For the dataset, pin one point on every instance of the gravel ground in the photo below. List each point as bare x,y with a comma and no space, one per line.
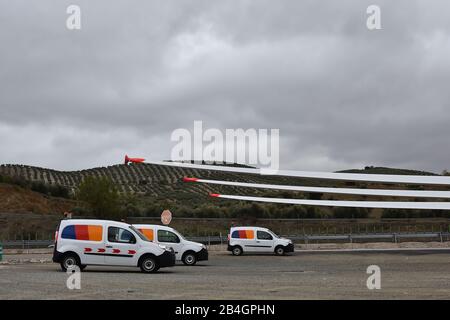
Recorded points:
404,275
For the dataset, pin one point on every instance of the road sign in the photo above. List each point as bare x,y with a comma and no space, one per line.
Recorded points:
166,217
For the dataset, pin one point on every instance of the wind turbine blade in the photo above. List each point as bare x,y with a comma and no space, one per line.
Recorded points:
354,191
384,178
352,204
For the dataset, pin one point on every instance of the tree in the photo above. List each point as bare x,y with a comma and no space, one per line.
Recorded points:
101,196
129,205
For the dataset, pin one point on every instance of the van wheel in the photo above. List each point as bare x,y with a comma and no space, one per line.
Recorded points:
70,260
279,251
189,259
148,265
237,251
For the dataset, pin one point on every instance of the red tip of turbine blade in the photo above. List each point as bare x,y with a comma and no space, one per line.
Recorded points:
214,195
187,179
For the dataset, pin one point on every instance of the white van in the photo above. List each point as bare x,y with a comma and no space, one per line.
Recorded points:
256,239
101,242
187,251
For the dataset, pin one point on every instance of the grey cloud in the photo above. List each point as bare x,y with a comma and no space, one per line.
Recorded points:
342,96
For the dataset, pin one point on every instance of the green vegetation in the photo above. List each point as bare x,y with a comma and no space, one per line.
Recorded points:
54,191
350,213
234,210
101,196
399,213
145,190
37,186
384,170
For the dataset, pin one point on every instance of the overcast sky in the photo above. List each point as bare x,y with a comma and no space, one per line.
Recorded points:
342,96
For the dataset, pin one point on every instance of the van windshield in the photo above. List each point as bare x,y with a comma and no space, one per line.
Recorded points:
140,234
179,235
273,234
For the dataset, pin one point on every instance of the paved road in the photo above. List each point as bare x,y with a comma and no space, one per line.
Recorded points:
404,275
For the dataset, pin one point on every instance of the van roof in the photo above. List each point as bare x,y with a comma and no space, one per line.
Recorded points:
152,226
92,221
248,227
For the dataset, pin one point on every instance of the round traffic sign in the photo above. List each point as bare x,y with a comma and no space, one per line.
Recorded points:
166,217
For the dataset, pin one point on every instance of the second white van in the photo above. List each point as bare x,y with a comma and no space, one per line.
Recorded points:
188,252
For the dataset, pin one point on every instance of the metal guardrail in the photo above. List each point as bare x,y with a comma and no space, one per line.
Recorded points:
26,244
345,220
393,237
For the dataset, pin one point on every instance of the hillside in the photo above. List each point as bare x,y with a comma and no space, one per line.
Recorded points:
152,188
155,180
384,170
16,199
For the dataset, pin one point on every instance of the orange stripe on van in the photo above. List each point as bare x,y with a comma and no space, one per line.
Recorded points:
95,233
250,234
148,233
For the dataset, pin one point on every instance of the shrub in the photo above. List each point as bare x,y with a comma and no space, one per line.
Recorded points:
350,213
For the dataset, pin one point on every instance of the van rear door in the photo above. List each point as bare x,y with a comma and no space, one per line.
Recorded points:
88,239
245,238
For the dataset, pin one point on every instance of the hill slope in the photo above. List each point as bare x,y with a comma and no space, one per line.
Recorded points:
157,186
16,199
155,180
149,189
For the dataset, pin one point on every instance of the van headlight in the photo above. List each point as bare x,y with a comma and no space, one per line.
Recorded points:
204,246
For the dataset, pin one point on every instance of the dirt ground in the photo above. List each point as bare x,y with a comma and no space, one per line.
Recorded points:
407,274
